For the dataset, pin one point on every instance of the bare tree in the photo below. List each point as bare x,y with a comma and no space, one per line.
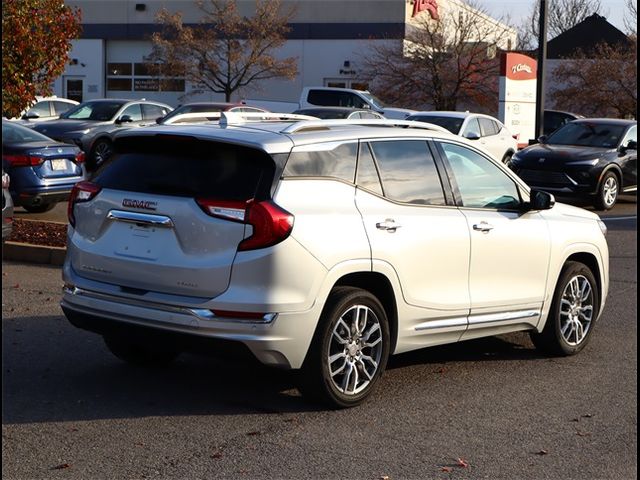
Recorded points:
561,16
226,51
631,19
603,84
440,63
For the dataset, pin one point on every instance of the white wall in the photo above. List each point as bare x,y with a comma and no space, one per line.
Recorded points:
90,66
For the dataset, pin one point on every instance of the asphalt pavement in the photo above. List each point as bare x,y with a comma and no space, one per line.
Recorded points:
491,408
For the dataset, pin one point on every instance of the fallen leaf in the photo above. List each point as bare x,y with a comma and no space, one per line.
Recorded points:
17,285
72,429
216,455
582,434
62,467
462,463
587,415
447,469
542,452
384,477
254,433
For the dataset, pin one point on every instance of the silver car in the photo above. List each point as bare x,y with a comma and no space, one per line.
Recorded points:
7,208
324,246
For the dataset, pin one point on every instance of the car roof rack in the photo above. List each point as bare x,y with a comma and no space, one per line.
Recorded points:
240,118
314,125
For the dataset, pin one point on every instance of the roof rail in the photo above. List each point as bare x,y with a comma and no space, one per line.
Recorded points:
327,124
239,118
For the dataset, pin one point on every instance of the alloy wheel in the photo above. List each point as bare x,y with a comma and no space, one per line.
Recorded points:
576,310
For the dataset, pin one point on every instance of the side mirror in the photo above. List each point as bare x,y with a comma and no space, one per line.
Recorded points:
124,119
30,116
631,145
542,139
472,136
159,120
539,200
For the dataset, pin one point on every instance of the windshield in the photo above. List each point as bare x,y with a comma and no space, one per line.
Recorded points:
587,134
98,111
13,133
379,104
452,124
198,108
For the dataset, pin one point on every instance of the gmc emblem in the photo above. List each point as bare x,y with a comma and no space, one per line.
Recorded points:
143,204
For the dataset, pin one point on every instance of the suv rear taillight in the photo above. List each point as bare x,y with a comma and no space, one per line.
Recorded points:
23,160
81,192
271,224
80,157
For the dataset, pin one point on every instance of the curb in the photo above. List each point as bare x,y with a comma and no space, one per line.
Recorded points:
25,252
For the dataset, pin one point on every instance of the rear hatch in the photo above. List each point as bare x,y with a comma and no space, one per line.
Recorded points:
167,215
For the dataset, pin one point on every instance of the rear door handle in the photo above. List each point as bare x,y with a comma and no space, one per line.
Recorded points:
483,227
389,225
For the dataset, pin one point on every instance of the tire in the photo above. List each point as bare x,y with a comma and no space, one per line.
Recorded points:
134,353
100,153
571,319
507,158
359,345
607,195
43,207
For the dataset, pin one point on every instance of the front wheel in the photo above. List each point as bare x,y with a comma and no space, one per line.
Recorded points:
573,312
608,192
100,153
349,350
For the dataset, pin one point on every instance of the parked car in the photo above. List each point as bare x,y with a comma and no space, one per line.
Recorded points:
323,249
593,158
554,119
327,113
90,124
45,109
42,171
7,208
350,98
489,132
198,112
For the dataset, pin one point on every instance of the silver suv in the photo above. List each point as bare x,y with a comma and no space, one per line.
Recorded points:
323,246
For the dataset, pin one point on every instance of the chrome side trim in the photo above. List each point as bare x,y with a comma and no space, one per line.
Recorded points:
502,317
199,313
446,323
140,218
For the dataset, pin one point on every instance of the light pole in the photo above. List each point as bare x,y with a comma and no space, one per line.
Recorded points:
542,56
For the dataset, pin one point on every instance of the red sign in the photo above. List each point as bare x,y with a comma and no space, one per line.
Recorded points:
430,5
516,66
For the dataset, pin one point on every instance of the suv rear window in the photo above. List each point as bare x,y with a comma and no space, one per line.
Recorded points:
188,167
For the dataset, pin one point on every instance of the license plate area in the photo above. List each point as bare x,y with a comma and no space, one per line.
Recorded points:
140,241
58,164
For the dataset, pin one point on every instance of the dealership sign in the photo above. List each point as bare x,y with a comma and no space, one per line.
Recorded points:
518,95
430,5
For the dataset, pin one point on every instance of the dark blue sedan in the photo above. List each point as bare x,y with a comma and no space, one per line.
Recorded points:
42,171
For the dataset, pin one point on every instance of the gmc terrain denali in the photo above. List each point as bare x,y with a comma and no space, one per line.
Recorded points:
323,246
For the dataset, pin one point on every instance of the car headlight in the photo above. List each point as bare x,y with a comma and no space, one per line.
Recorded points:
603,227
79,133
591,163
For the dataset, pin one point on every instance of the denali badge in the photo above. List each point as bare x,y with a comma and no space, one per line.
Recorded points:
144,204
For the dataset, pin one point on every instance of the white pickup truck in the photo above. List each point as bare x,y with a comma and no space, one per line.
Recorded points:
335,97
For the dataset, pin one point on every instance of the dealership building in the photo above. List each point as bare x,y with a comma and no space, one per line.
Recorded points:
329,38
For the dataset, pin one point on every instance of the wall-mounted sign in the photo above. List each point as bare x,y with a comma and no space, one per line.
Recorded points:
430,5
518,95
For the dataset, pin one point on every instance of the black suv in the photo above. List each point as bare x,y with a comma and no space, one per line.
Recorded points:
594,158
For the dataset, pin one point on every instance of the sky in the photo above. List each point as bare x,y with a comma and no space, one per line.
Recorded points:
518,10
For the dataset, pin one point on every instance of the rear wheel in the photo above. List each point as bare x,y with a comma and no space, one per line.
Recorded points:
100,153
136,353
573,312
41,208
608,192
349,350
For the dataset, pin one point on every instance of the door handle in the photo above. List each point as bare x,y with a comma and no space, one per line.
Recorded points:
483,227
389,225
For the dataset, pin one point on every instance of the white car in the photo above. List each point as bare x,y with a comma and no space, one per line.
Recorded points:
46,108
324,246
489,132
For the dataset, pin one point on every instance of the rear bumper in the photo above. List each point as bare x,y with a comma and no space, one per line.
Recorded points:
282,342
42,195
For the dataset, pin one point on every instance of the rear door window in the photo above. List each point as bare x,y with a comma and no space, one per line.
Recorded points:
408,172
151,112
188,167
472,128
134,111
367,172
488,127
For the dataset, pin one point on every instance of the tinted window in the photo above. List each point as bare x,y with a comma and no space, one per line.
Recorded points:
134,111
588,134
481,183
100,111
632,135
452,124
472,128
61,107
151,112
328,98
488,126
12,133
185,166
367,172
408,172
325,160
